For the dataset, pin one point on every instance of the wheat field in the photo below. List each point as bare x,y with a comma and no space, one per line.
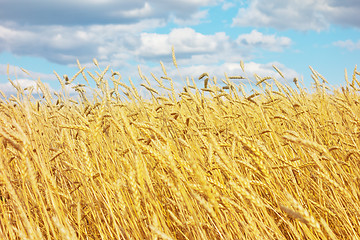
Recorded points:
214,161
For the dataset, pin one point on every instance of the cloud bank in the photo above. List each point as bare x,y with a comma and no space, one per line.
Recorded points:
300,15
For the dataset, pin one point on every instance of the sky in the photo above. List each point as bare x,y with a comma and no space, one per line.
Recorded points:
211,36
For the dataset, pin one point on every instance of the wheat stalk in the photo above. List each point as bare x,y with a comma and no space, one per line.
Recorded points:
218,162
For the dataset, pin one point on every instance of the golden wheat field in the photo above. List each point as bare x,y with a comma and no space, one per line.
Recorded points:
213,161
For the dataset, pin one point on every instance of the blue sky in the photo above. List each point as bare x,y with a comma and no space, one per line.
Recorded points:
208,36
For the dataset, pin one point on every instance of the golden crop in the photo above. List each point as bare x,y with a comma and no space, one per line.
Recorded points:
212,162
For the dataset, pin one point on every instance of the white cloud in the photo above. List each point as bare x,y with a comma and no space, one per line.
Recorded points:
194,19
348,44
119,45
268,42
142,12
227,5
71,13
62,44
196,48
299,14
184,40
